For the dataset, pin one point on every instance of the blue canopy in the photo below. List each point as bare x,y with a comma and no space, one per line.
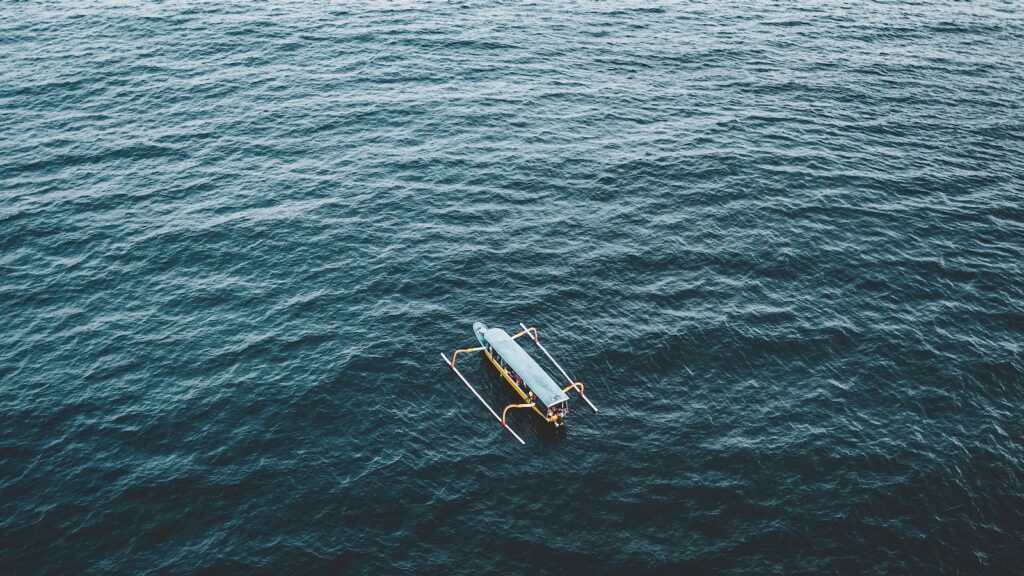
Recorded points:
512,353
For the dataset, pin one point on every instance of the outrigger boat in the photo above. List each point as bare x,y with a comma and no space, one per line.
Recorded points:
537,389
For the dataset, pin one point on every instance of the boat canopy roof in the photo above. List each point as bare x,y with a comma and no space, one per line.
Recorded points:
533,375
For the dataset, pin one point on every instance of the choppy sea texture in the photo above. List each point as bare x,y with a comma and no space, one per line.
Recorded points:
782,244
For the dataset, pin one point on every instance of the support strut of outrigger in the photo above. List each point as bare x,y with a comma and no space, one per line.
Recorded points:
504,412
451,364
536,340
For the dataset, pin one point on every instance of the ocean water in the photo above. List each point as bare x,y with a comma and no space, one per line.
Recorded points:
781,243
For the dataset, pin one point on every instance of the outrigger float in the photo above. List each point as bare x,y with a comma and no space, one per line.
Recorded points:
537,389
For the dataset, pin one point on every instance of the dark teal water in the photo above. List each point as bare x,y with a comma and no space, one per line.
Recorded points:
782,244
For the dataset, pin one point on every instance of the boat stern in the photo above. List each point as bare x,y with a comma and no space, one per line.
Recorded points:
556,414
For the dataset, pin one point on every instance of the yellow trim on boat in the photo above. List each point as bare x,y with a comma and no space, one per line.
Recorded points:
515,387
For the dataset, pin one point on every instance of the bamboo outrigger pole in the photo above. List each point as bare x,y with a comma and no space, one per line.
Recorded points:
451,364
572,384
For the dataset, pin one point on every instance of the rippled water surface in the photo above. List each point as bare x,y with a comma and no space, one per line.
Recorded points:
782,244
